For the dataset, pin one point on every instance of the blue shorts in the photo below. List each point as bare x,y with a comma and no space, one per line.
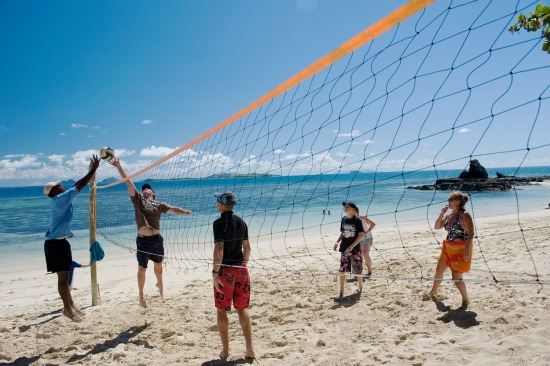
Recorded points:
149,247
58,255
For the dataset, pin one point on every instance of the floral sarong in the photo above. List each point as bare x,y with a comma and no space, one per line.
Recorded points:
453,252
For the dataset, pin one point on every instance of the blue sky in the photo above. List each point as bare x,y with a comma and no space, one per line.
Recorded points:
147,77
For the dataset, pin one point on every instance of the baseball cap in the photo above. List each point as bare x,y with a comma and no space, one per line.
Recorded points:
350,204
146,186
227,198
48,187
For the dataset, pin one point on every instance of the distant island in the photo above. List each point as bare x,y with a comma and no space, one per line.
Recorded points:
107,181
476,179
238,175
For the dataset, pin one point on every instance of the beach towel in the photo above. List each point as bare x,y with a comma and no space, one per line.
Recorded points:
97,252
453,252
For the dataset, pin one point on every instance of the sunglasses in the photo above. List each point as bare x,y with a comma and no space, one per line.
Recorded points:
452,199
222,199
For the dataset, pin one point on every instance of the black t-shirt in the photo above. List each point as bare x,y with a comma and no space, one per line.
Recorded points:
350,229
231,230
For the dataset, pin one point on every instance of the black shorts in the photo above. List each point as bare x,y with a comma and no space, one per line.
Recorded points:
149,247
58,255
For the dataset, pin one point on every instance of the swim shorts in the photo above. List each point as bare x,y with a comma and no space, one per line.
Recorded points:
351,263
58,255
236,288
149,247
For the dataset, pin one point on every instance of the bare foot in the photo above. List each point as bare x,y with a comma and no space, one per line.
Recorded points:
250,354
79,312
72,315
143,303
436,297
465,304
224,355
160,290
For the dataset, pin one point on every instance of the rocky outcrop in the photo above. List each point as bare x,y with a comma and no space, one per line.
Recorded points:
477,180
476,171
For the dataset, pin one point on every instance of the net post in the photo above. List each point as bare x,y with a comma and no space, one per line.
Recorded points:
93,269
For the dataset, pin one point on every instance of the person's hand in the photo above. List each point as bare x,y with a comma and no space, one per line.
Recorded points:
187,212
347,251
466,255
115,162
217,283
94,161
444,209
335,246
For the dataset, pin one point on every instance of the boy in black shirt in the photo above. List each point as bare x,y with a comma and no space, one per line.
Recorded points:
351,234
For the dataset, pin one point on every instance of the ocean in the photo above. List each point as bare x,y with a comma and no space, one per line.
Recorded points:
271,205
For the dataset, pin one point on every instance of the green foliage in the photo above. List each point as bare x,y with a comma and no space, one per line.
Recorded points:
538,19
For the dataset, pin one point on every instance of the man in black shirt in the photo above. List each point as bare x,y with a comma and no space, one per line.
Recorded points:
230,275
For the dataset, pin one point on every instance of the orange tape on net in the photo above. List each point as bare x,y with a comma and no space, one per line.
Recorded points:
375,30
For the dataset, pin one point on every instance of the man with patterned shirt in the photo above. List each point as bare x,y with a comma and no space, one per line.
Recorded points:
150,244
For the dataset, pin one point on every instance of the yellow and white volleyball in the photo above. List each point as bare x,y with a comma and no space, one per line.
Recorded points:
106,153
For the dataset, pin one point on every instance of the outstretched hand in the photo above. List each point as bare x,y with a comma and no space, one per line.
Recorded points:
94,161
115,162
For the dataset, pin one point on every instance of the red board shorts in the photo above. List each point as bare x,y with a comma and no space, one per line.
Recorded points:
236,288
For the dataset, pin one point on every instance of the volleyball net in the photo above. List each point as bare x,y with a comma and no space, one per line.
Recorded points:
412,99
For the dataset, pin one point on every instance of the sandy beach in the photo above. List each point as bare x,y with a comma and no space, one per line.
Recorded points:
295,318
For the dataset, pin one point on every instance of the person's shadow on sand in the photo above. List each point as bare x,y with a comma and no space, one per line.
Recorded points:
346,301
462,317
240,361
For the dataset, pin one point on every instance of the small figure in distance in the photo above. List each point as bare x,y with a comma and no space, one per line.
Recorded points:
456,251
56,247
351,234
150,244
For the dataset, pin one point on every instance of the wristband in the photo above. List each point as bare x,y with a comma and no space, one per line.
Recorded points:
214,272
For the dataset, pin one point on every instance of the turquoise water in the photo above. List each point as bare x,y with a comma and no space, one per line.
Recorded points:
270,205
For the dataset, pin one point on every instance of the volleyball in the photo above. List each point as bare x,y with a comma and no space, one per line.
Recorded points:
106,153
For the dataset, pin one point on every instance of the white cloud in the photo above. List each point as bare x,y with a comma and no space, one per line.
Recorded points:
11,156
155,151
147,122
58,159
278,151
62,134
78,125
354,133
96,127
367,141
25,162
464,130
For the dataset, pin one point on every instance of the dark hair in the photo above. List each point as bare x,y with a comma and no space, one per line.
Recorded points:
146,186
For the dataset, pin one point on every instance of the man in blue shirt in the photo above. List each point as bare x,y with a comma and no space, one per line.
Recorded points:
56,248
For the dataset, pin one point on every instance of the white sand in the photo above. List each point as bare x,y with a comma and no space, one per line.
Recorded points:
295,320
